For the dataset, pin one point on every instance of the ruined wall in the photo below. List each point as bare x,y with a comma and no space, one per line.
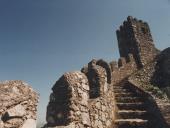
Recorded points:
82,100
101,107
134,37
18,105
107,68
156,73
97,77
102,111
69,101
85,99
123,69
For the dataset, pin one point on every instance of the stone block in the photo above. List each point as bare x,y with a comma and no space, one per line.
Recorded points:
16,111
29,123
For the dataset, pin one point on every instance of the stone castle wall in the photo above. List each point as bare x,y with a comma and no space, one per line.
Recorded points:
86,100
134,37
123,68
82,99
69,101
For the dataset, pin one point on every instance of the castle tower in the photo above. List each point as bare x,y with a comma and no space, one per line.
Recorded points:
134,37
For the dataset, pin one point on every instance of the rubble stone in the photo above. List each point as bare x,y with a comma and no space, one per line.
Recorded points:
18,103
17,110
29,123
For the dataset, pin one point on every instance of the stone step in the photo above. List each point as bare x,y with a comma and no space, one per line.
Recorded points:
132,114
123,94
129,99
119,87
131,106
121,90
131,123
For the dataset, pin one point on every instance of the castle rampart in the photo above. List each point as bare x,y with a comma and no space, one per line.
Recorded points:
94,97
124,68
107,67
134,37
83,99
69,101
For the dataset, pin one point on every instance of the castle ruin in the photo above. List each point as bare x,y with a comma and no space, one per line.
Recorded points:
133,92
117,94
134,37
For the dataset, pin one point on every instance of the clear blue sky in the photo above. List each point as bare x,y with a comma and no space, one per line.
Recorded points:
42,39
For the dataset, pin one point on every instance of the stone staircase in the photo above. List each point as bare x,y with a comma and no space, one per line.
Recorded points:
131,111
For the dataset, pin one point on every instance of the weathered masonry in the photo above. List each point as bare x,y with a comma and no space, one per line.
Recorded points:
130,93
18,105
134,37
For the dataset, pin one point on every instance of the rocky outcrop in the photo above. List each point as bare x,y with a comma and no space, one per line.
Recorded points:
18,105
161,76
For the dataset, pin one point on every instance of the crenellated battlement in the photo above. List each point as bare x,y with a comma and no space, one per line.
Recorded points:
123,68
77,96
134,37
122,62
113,65
131,19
